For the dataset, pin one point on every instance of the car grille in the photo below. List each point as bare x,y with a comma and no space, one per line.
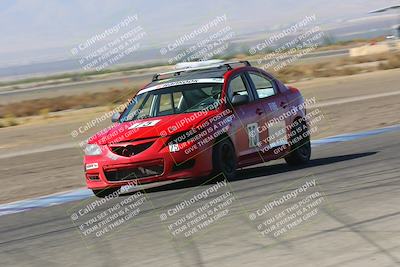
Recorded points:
130,150
131,173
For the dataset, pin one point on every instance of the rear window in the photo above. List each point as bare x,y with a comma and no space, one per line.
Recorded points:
263,86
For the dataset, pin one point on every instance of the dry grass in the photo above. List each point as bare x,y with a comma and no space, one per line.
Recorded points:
339,67
8,121
46,105
392,63
297,73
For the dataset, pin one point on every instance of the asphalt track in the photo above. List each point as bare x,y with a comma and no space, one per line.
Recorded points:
357,223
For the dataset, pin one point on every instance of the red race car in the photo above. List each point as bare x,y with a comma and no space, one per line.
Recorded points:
205,118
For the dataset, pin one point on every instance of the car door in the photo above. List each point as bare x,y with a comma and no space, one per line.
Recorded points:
246,122
276,109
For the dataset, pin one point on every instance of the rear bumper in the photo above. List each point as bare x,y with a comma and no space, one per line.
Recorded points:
154,164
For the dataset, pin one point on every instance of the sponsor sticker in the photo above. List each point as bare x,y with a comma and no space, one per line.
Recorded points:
92,166
171,84
273,106
254,136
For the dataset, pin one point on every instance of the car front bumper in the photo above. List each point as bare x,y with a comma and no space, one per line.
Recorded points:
154,164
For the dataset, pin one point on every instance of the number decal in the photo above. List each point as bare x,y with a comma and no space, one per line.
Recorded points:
277,134
144,124
254,135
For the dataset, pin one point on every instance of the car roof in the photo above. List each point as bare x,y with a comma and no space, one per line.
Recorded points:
190,75
204,72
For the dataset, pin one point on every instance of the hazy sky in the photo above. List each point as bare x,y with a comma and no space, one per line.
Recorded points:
42,24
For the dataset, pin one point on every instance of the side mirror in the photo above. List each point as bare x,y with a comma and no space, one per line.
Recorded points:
115,117
240,99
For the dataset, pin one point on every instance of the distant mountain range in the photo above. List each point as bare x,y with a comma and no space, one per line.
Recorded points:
37,35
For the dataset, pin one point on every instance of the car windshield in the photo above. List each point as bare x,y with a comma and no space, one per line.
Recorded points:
173,100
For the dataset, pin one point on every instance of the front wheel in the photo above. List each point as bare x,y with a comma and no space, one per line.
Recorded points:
102,193
224,159
300,151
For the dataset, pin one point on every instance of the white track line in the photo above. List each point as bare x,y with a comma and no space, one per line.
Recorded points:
353,99
83,193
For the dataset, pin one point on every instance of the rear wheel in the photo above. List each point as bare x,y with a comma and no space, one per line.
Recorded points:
224,159
300,152
102,193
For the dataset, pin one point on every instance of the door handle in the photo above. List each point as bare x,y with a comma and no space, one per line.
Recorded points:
284,104
259,111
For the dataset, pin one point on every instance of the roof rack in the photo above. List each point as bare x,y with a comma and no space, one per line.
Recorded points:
227,65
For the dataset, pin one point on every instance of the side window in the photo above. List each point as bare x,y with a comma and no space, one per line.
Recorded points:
179,102
165,107
146,111
264,87
237,87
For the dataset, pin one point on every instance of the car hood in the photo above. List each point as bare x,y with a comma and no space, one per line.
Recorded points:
150,128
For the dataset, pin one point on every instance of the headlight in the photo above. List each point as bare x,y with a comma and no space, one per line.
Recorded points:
92,150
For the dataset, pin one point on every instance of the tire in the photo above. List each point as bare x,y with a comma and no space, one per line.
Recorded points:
224,159
102,193
300,152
